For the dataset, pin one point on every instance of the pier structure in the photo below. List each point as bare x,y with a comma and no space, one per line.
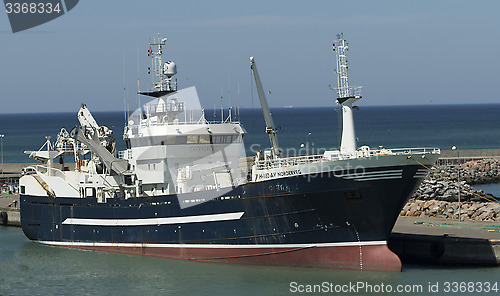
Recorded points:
9,211
435,241
452,157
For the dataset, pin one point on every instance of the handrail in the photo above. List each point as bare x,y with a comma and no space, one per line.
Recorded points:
166,123
306,159
351,91
288,161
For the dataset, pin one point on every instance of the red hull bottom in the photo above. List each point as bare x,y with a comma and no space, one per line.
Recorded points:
364,257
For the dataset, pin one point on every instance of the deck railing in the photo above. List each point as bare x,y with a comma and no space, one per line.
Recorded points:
287,161
336,156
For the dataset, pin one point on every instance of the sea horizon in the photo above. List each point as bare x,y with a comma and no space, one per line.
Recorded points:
259,108
466,126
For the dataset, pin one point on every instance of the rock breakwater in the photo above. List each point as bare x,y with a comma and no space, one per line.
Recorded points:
438,194
442,185
483,211
484,171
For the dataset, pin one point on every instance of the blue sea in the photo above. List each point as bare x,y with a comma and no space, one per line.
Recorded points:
442,126
28,268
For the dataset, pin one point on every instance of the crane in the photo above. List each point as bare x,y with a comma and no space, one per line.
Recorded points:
270,127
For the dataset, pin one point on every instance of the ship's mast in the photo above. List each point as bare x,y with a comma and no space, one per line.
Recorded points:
161,72
270,128
346,95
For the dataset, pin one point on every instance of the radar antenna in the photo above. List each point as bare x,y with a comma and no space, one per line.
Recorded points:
161,72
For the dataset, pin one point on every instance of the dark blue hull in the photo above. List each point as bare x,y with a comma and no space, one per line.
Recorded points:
294,211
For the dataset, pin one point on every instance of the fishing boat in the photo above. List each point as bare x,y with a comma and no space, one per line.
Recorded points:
183,187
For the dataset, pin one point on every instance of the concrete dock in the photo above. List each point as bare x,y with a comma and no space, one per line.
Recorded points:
446,242
10,206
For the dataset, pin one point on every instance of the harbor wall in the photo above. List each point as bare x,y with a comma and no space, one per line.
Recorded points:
9,211
449,157
434,241
445,250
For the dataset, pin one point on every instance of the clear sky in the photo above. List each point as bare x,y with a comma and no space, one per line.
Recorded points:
402,52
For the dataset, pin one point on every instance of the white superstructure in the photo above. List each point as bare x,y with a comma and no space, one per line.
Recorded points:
172,141
172,147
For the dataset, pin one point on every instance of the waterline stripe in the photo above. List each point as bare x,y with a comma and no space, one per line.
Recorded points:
378,178
420,174
211,246
360,174
154,221
375,176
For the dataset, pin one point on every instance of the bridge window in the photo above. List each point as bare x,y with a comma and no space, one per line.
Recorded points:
180,140
170,140
204,139
192,139
226,139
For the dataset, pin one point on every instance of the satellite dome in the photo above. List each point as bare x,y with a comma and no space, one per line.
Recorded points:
169,69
